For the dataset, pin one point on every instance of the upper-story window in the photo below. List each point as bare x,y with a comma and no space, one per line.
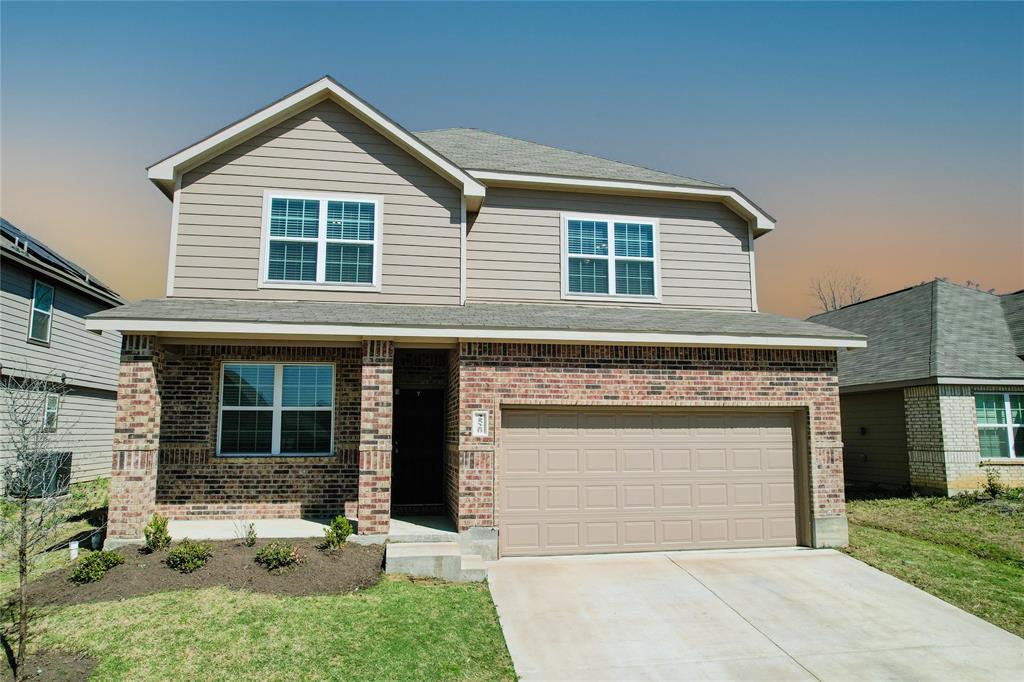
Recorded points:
1000,424
609,256
321,241
41,315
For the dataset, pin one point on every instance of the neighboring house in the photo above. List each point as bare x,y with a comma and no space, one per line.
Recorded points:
44,299
938,391
567,349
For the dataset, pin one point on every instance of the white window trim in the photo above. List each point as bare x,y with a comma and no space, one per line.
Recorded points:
320,284
275,441
611,258
32,311
1009,426
47,411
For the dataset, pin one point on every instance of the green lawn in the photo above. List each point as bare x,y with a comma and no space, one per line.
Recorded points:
400,629
971,555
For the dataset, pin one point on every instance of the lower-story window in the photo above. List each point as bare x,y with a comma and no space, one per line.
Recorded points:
276,409
1000,424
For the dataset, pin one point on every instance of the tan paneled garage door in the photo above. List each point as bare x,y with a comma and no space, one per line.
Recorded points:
587,481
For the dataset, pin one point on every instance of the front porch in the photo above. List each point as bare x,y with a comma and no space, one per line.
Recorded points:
187,441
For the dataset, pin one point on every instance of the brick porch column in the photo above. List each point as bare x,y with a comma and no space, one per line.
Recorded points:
375,415
136,439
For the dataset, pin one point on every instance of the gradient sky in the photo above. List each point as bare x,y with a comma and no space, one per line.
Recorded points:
886,139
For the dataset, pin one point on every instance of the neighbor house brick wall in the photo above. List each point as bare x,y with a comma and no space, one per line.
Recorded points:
193,482
133,475
375,428
925,453
964,467
493,375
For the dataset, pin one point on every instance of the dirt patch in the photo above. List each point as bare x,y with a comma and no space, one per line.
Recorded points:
232,565
55,666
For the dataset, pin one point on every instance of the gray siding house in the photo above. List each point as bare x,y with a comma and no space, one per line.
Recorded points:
936,399
44,299
558,352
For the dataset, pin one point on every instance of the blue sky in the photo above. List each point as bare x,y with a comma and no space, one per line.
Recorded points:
887,139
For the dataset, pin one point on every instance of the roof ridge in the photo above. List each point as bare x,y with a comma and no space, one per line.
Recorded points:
573,151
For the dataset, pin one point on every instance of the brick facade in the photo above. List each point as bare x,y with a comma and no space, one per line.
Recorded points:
375,422
133,473
942,439
169,463
493,375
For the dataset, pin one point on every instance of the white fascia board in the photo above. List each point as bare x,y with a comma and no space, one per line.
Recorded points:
164,172
466,334
761,222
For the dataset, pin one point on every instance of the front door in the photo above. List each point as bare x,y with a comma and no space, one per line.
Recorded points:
417,461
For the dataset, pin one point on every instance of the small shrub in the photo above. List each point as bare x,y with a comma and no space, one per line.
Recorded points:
994,486
156,533
336,534
189,556
246,533
94,565
277,556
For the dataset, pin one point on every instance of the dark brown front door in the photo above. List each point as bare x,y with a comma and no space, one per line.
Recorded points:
417,466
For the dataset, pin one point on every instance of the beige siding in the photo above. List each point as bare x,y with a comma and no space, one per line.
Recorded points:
875,438
514,247
85,427
86,358
321,149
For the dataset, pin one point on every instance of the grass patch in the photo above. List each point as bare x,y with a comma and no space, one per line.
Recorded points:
987,530
87,512
970,554
399,629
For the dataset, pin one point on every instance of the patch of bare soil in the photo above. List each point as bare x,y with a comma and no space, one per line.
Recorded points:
232,565
56,666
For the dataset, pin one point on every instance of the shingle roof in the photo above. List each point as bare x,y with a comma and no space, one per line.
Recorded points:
475,149
495,316
1013,310
934,330
14,240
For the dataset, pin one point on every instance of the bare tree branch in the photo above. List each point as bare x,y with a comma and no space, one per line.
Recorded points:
835,290
33,499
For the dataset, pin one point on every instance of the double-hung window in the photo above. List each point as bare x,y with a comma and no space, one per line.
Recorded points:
1000,424
609,256
328,241
41,315
51,410
276,409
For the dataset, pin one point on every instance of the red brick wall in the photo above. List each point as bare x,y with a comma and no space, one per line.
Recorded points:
192,482
493,375
376,409
133,474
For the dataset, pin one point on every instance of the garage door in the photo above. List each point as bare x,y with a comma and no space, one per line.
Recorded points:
576,482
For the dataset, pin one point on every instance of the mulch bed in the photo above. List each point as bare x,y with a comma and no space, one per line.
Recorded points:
55,666
232,565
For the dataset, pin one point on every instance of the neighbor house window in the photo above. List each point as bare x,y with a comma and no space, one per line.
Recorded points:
41,316
608,256
51,409
1000,424
321,241
276,409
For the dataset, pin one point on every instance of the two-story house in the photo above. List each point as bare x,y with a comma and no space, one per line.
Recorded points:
44,299
561,348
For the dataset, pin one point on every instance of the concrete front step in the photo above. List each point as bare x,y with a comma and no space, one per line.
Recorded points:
434,560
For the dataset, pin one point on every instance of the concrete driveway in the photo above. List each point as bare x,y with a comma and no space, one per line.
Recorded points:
743,615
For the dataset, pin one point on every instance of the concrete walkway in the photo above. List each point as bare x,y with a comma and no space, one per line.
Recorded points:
744,615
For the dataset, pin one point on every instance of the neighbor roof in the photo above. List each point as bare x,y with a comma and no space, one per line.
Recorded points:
32,252
476,149
933,331
494,321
